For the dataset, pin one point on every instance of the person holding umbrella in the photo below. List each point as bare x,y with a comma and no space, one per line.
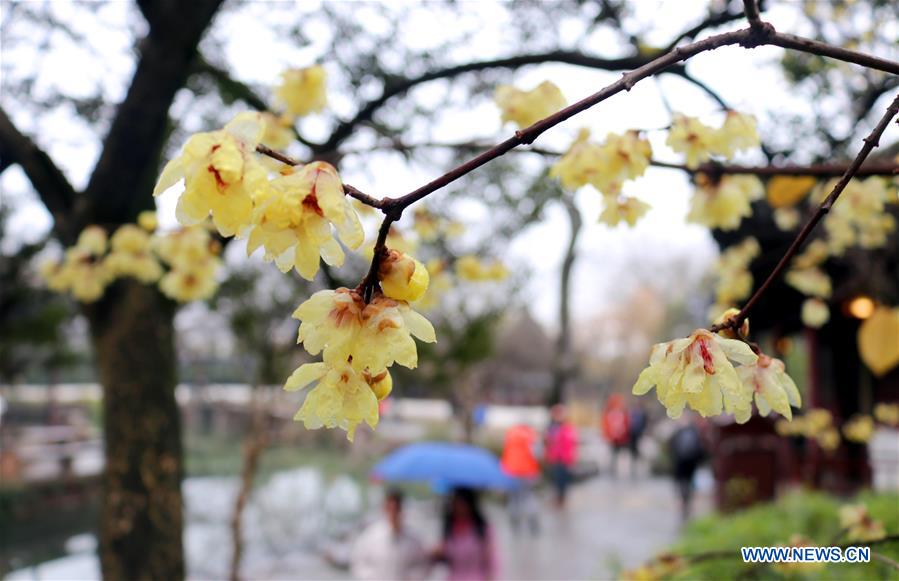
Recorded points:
386,549
467,548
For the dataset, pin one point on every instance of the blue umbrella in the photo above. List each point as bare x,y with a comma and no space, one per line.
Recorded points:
445,465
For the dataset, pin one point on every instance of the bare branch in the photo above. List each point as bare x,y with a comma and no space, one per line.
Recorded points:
871,142
51,184
752,13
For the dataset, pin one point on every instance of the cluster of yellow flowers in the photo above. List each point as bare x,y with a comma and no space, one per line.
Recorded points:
302,91
430,227
859,218
859,428
358,341
699,371
791,568
723,203
606,166
471,268
816,424
858,524
95,261
699,142
733,277
524,108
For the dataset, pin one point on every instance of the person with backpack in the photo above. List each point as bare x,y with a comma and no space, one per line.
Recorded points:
687,452
615,427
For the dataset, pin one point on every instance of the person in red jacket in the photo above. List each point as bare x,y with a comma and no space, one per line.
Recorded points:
616,427
519,460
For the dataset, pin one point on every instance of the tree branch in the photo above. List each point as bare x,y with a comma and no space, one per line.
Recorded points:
398,87
51,184
239,90
871,142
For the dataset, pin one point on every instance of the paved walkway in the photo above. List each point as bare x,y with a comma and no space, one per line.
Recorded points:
607,525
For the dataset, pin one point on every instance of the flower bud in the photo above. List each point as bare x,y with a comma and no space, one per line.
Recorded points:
381,384
402,277
729,331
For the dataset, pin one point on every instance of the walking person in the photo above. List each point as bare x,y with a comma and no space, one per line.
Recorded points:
687,452
467,548
615,428
637,421
561,452
519,460
386,549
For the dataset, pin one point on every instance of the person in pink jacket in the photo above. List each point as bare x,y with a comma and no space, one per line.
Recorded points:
561,452
468,549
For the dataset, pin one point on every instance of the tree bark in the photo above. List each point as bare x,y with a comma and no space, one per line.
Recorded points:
132,330
562,363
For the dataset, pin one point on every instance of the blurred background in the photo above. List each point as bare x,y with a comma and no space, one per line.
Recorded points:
181,407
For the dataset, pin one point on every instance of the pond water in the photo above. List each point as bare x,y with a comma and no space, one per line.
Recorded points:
295,522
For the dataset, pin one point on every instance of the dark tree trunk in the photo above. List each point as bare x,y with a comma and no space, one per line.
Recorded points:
563,366
141,518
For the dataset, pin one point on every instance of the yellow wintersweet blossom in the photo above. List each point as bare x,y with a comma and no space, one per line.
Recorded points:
605,166
690,136
859,428
793,567
887,413
734,279
828,439
815,253
402,277
786,191
524,108
697,372
725,203
812,282
278,133
859,525
440,282
131,255
341,399
192,257
83,272
773,388
469,267
147,220
661,567
818,420
373,336
619,209
859,217
878,340
194,284
221,173
738,132
303,91
786,218
293,218
815,313
429,227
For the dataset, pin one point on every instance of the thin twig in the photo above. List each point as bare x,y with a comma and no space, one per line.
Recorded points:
751,9
347,188
871,142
